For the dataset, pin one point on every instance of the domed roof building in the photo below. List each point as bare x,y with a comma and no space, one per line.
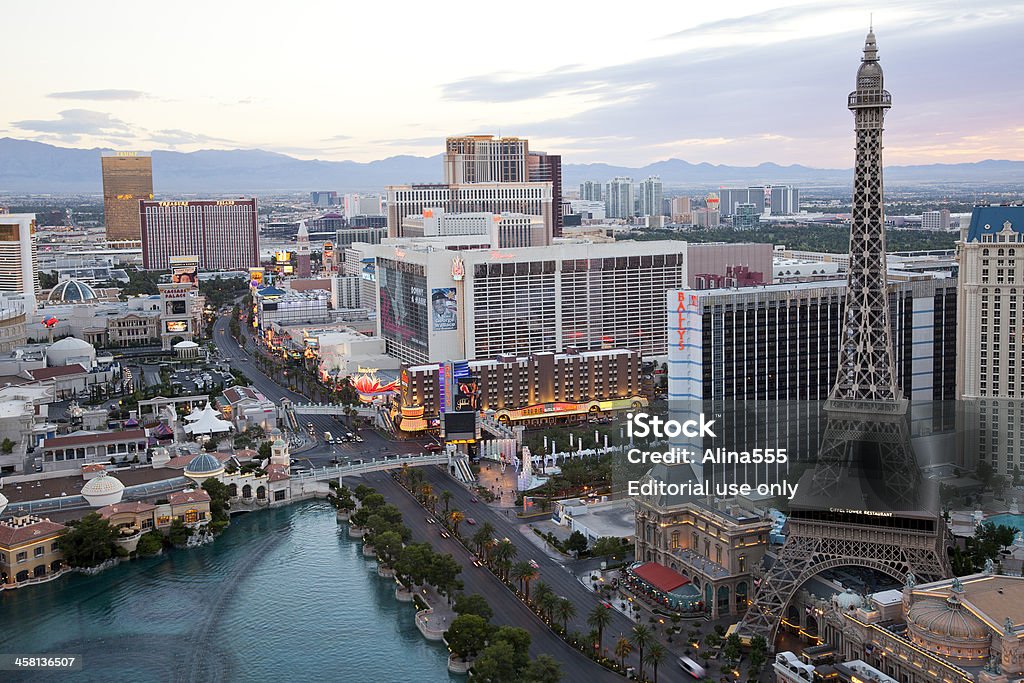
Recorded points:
70,350
948,628
72,292
203,466
847,600
103,490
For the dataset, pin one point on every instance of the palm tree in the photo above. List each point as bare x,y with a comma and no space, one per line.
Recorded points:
641,636
426,491
599,618
622,650
541,594
523,573
446,496
503,554
655,656
456,518
565,611
480,538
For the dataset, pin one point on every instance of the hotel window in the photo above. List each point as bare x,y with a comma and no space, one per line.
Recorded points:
22,556
675,540
39,551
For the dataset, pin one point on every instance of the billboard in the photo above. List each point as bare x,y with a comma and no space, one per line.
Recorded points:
460,426
184,269
444,309
467,394
256,277
176,326
403,305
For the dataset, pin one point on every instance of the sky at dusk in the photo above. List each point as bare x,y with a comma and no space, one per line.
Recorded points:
625,83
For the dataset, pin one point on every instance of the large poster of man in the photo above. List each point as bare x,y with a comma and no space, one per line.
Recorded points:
403,306
444,309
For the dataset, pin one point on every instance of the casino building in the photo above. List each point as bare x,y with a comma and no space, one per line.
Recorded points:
445,298
538,388
222,233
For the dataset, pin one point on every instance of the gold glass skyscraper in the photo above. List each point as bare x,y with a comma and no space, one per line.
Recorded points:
127,178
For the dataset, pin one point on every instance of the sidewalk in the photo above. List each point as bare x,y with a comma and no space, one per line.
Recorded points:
433,622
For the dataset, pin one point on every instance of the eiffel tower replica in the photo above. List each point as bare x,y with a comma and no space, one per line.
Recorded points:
864,502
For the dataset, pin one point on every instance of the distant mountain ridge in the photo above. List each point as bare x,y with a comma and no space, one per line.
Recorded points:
27,166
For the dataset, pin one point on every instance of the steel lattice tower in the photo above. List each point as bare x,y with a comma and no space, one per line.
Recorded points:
862,503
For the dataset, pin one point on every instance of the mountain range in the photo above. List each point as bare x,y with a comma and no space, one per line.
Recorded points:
34,167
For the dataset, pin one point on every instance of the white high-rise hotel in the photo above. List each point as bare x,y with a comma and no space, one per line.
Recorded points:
18,265
990,343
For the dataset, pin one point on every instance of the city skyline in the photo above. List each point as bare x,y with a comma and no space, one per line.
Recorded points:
699,87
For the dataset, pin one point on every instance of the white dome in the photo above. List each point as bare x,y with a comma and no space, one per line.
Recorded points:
848,600
70,350
71,344
103,490
186,345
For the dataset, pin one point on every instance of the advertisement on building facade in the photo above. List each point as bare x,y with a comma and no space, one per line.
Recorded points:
444,307
403,307
467,394
184,269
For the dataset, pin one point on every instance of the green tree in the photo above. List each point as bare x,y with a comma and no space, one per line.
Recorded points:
473,604
641,636
467,635
497,664
576,543
732,649
598,619
178,534
265,450
7,446
219,495
150,543
758,654
90,542
389,548
443,575
608,546
413,563
544,669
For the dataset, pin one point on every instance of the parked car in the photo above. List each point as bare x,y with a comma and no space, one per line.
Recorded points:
470,521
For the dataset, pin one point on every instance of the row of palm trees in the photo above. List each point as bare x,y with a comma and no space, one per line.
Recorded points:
498,555
640,637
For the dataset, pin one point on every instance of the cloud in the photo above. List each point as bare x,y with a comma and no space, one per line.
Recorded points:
108,95
74,123
428,141
175,136
784,101
337,138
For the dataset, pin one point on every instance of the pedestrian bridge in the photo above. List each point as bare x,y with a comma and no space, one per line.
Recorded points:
332,409
330,472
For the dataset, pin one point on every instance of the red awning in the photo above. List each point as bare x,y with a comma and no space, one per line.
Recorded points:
660,576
